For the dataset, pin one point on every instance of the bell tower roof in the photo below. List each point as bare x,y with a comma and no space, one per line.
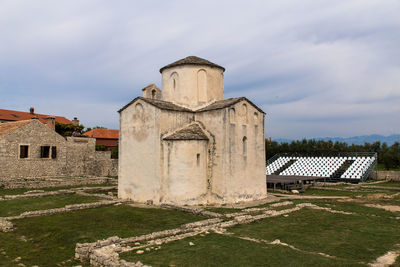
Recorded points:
192,60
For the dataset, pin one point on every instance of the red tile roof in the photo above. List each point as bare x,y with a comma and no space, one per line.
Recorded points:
13,115
103,133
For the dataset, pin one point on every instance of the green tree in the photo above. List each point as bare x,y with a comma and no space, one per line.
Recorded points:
68,129
95,127
114,153
101,147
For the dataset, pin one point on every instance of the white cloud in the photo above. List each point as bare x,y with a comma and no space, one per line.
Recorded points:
318,68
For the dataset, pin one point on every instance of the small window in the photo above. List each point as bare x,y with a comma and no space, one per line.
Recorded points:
245,150
198,160
23,151
244,146
153,94
175,81
53,152
45,152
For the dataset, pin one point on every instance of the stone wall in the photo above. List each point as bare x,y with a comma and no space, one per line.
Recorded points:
82,159
75,156
229,167
386,175
40,182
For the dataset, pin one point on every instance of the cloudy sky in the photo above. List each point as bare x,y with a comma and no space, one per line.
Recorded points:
317,68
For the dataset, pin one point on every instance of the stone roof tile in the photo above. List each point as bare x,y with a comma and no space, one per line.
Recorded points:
166,105
7,127
159,104
190,132
192,60
227,103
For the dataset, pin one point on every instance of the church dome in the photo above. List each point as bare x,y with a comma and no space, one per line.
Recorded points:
192,60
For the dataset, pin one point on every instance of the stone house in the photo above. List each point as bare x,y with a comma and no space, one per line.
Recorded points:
186,144
30,148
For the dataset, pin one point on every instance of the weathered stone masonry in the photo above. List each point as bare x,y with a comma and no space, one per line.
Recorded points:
186,144
71,156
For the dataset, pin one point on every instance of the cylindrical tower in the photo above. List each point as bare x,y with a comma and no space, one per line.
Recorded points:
192,82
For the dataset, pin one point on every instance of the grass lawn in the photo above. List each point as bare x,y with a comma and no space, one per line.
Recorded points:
220,250
353,193
388,184
17,206
50,240
351,206
354,238
322,192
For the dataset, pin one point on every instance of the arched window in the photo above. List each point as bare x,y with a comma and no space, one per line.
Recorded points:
153,94
244,112
175,81
255,118
232,118
139,112
202,86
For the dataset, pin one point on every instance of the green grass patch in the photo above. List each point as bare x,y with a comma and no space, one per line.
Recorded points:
349,206
220,250
17,206
351,237
388,184
322,192
51,239
350,193
16,191
337,185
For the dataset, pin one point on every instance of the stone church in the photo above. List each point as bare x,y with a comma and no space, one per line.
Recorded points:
186,144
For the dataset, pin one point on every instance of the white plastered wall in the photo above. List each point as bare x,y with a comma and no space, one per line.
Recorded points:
192,85
185,171
139,160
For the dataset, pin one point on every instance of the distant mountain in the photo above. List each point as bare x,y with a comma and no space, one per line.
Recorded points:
357,140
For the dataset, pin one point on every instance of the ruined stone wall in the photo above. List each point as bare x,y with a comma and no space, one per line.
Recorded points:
386,175
102,164
83,160
80,154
